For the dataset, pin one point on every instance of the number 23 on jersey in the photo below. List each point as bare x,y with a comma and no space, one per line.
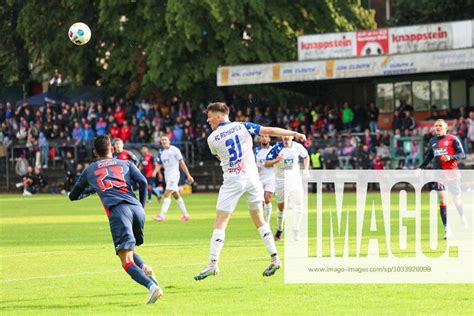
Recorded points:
110,177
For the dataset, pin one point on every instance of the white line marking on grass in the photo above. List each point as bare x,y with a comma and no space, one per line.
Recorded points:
59,276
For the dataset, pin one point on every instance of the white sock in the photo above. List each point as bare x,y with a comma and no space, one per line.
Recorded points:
267,212
267,236
165,206
297,222
182,206
217,242
279,220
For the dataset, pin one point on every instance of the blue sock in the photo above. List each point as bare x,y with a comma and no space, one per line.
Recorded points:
138,260
443,212
138,275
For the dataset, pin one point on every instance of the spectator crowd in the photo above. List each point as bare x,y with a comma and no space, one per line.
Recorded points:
342,136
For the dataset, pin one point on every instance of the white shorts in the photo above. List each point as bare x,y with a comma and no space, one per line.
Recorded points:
294,193
172,182
232,189
268,184
280,192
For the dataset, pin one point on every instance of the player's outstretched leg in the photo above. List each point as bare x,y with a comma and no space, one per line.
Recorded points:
268,240
217,242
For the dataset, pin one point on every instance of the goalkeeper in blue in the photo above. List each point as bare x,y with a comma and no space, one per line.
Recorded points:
112,179
232,143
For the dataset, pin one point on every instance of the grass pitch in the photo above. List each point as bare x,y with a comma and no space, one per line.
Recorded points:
57,257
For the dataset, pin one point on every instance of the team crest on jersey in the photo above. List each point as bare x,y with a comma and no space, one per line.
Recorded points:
446,143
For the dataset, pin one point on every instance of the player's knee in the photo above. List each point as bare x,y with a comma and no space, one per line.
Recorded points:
125,256
254,206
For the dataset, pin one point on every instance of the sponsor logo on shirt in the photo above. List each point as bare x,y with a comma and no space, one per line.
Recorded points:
440,152
237,168
288,163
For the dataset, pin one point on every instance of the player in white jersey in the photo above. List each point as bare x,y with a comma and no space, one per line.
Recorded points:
266,175
285,156
232,143
170,158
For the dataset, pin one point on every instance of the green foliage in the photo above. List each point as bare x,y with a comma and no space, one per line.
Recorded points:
149,47
407,12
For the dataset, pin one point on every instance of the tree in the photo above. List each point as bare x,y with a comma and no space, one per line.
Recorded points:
13,53
144,47
407,12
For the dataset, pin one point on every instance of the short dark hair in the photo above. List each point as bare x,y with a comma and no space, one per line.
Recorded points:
102,145
218,107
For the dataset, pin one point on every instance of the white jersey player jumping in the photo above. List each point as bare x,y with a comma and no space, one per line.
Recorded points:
232,143
266,175
285,156
170,158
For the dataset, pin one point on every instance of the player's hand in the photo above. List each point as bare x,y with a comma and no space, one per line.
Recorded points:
445,158
279,158
190,180
300,137
305,174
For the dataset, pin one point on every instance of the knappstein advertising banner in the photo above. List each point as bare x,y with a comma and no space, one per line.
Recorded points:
430,37
388,41
334,45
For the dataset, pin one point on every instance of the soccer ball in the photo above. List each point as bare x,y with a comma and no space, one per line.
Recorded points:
79,33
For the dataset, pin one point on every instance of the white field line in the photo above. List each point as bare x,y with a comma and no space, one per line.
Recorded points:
59,276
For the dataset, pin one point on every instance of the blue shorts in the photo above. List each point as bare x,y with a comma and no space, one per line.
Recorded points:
453,186
126,225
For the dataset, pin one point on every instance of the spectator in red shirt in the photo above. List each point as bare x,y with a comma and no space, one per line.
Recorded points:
114,130
119,115
126,132
378,163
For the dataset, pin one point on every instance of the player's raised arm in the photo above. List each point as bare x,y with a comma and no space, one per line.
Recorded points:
140,179
280,132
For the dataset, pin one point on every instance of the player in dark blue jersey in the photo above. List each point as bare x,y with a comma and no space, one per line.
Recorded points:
445,151
112,178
